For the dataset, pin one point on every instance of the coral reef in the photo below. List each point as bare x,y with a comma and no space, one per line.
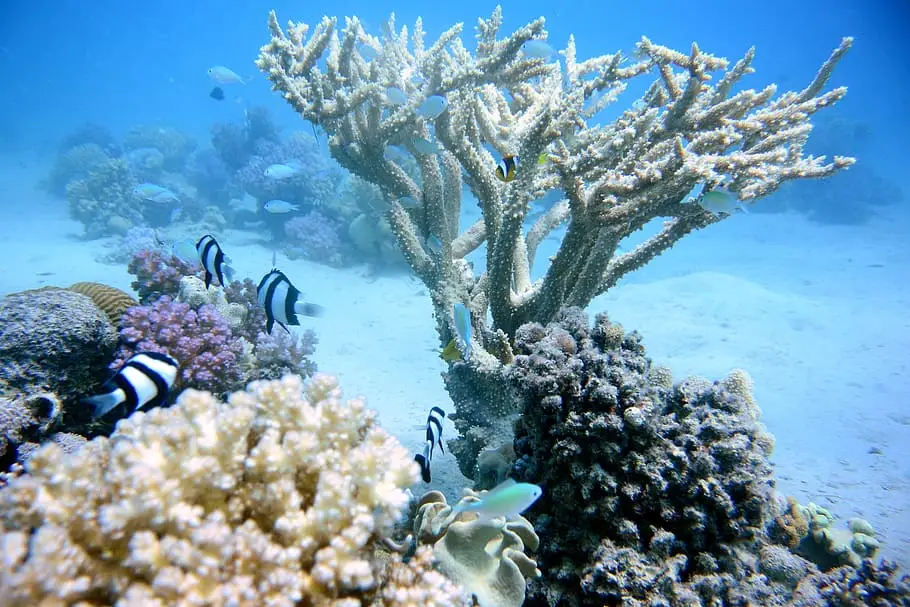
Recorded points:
110,300
174,146
828,546
25,419
53,340
74,163
458,113
104,201
271,499
864,586
486,558
315,237
278,354
201,341
158,274
649,492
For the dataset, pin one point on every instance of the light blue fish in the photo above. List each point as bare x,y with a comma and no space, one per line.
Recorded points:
185,250
463,327
409,202
367,51
432,106
280,206
224,75
395,96
394,153
507,499
537,49
721,201
155,193
434,244
424,146
282,171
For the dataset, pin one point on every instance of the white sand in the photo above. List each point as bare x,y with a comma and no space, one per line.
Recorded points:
807,310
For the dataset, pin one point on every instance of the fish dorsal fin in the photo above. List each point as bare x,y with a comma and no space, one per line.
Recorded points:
509,482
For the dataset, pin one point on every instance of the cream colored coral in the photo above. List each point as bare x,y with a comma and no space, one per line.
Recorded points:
193,292
275,498
486,557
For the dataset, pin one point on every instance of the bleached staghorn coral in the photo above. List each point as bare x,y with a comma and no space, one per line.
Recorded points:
686,130
274,498
615,178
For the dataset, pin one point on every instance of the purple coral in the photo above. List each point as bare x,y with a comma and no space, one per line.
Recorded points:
316,237
158,274
201,341
276,354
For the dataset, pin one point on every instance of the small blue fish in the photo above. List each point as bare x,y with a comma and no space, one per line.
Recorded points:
424,146
280,206
507,499
463,327
224,75
721,200
155,193
537,49
434,244
281,171
395,96
409,202
432,106
367,51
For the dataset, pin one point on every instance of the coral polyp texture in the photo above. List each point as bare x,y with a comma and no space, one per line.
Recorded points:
459,112
278,497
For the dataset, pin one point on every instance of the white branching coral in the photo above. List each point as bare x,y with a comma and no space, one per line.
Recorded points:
367,92
277,497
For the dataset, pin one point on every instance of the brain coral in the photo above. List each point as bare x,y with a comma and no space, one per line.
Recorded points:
271,499
111,300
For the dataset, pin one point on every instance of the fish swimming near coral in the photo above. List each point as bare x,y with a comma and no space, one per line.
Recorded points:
142,382
281,301
280,206
434,437
720,200
214,261
284,170
450,353
505,170
462,317
217,94
507,499
433,106
224,75
155,193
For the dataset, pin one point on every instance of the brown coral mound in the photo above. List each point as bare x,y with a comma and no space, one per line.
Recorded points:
110,300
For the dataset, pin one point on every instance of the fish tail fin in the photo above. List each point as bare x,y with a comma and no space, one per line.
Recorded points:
309,309
424,467
228,273
102,403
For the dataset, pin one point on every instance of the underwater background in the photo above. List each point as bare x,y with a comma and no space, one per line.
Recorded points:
808,291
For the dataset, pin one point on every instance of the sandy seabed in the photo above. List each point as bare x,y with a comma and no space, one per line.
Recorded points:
818,315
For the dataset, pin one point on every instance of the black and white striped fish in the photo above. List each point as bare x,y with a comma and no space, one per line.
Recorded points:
434,437
142,382
213,261
281,301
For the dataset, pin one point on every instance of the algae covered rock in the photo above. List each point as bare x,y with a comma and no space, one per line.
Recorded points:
53,340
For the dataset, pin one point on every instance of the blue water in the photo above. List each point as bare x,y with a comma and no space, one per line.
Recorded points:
838,362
